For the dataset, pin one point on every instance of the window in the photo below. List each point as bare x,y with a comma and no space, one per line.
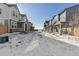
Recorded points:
2,22
64,25
12,26
0,10
16,15
13,13
6,22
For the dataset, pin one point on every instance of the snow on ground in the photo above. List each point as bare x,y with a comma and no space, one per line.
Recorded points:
64,38
15,44
36,44
44,46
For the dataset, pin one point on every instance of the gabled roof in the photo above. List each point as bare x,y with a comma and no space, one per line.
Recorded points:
30,23
68,8
23,15
10,5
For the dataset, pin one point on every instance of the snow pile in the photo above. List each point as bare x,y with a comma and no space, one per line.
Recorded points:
64,38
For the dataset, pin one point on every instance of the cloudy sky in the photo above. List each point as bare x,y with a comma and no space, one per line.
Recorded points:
39,12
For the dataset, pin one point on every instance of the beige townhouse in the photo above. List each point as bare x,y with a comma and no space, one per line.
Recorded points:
4,17
9,15
11,20
67,21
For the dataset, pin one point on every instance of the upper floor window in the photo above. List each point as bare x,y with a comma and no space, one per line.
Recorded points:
0,11
14,13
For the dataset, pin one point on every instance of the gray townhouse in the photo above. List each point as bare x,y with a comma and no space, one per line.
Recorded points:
22,24
50,26
46,26
15,17
56,27
30,28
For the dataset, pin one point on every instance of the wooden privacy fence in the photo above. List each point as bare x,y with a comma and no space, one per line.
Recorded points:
73,28
73,31
3,29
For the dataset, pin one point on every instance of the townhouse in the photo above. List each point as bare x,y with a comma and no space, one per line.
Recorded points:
31,27
4,17
11,20
9,17
66,22
69,20
50,26
46,26
22,24
56,25
14,17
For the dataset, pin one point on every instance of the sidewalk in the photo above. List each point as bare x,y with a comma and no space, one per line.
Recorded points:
8,34
64,38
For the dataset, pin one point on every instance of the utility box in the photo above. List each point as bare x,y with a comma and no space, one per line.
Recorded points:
4,39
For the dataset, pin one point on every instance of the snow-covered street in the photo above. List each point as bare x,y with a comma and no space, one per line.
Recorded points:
35,44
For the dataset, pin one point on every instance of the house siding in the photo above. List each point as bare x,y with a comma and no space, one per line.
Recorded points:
7,14
73,14
63,17
5,11
73,17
